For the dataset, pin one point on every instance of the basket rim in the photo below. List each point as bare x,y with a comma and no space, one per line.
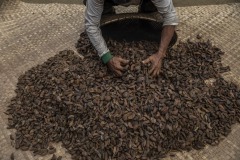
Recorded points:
107,19
155,17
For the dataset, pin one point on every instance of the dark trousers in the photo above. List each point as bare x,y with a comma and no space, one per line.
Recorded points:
146,6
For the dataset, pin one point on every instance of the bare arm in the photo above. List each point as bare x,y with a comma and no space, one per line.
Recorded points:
170,20
166,36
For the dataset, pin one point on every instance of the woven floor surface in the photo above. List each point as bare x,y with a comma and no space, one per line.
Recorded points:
30,33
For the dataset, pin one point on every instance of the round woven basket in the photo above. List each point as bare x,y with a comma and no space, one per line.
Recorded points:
134,27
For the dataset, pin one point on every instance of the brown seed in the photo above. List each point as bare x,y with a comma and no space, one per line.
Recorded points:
199,36
11,137
54,157
51,150
128,116
108,98
12,156
24,148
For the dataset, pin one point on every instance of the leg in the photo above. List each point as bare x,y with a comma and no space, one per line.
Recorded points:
147,7
108,7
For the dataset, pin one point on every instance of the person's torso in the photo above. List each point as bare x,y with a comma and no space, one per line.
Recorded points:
132,2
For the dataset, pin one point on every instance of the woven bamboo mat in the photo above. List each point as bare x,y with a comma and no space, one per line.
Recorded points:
30,33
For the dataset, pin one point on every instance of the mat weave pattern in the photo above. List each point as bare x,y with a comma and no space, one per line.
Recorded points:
30,33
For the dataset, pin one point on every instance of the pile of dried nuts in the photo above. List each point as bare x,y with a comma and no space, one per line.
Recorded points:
97,115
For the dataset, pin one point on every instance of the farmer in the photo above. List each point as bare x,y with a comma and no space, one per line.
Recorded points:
94,10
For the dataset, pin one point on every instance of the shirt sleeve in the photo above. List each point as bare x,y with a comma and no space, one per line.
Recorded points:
93,14
167,10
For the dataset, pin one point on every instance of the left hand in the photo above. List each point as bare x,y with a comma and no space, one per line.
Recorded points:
156,60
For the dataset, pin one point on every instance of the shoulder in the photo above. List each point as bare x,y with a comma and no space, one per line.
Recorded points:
95,2
162,1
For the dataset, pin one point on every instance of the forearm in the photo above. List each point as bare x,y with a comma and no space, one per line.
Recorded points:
166,36
97,40
170,20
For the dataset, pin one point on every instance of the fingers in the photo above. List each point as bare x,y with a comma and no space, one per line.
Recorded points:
146,60
158,71
155,71
116,65
119,73
123,61
119,67
152,70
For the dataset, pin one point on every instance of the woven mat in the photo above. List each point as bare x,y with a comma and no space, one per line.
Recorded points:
30,33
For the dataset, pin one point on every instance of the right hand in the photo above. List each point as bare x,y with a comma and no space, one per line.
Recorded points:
116,64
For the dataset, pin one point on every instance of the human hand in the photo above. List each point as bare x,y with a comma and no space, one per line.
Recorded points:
116,64
156,61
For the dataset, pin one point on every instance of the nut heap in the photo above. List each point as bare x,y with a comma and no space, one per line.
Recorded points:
97,115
